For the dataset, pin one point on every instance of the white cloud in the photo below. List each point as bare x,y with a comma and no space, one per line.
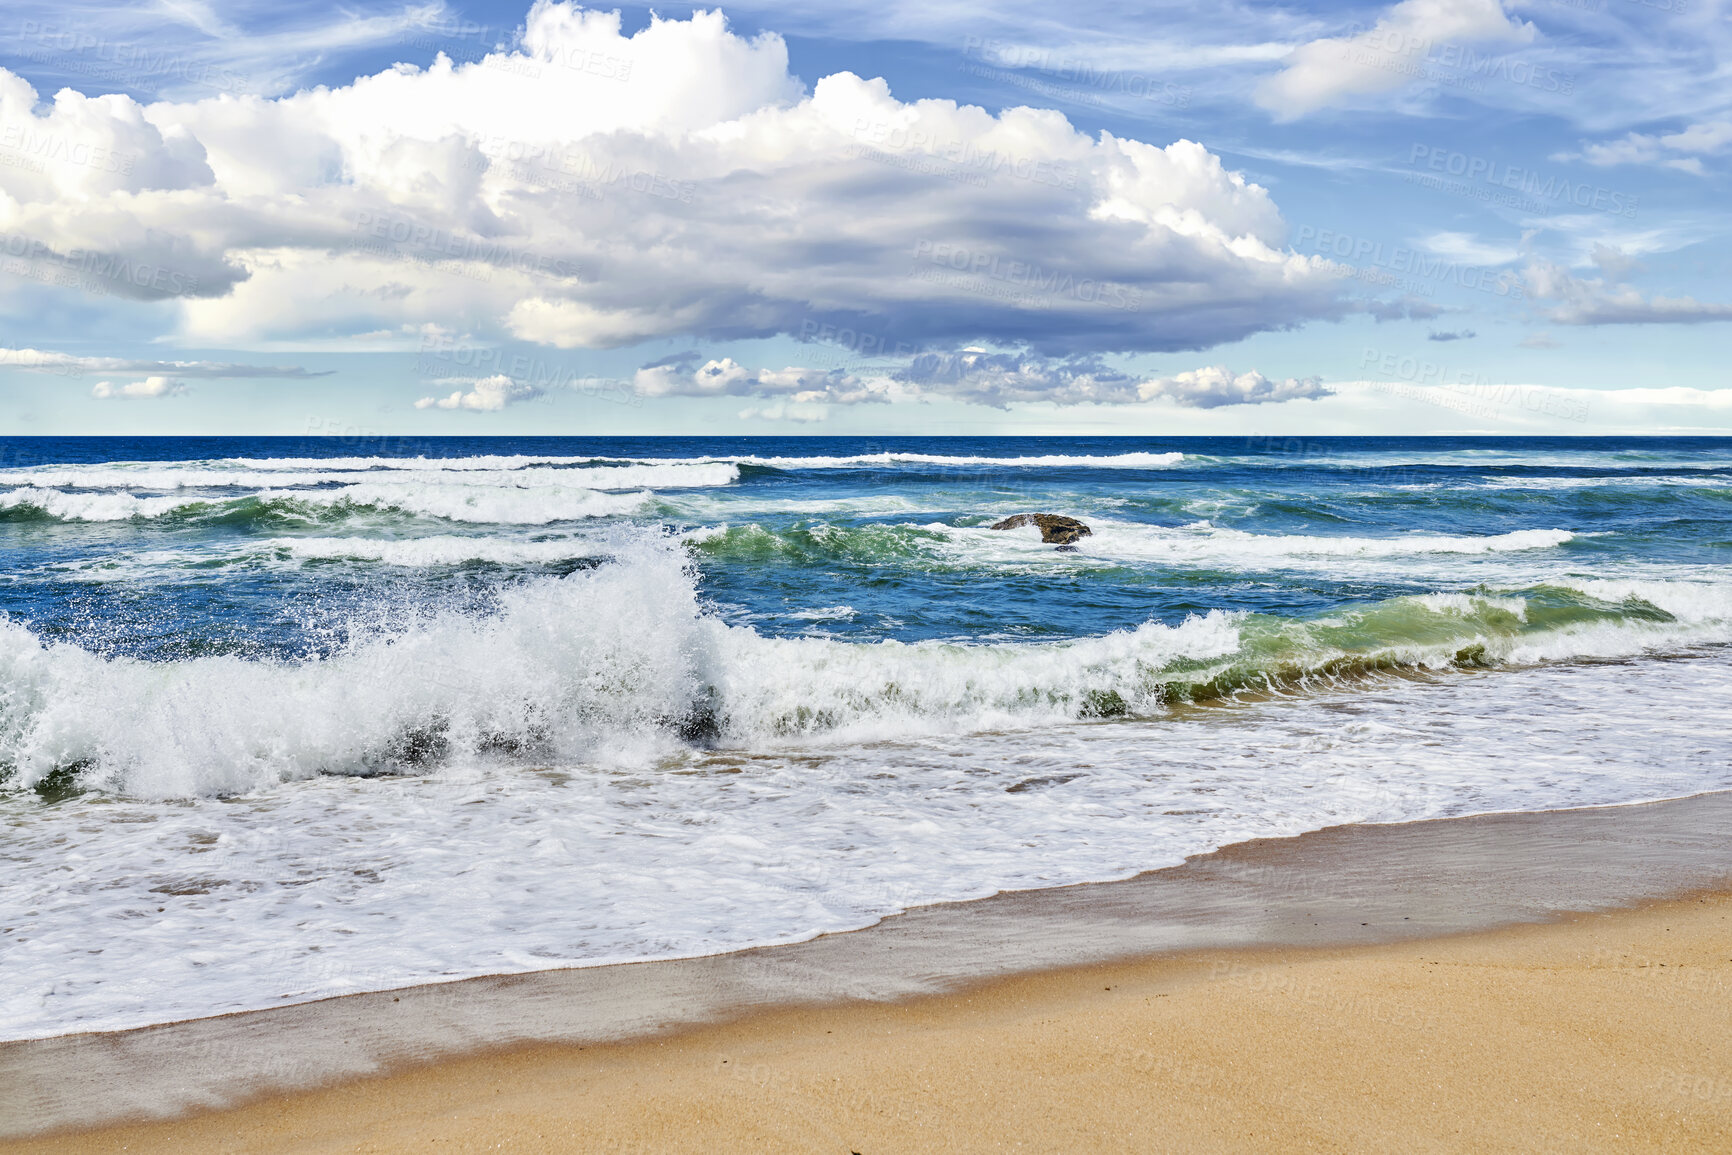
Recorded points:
1388,56
1215,386
998,379
489,394
1603,301
681,376
976,377
803,414
1682,150
69,364
1467,248
594,190
147,389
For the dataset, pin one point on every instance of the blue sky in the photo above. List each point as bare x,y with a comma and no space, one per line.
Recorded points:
1433,216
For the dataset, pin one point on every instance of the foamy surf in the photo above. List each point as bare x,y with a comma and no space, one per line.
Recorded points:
622,664
494,705
132,912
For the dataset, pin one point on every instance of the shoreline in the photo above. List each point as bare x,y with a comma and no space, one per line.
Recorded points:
1343,888
1608,1031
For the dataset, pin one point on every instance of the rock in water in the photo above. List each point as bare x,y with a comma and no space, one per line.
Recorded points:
1055,529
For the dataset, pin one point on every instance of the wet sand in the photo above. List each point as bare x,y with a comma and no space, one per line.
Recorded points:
1327,992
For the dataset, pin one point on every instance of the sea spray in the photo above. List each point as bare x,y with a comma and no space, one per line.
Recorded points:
621,662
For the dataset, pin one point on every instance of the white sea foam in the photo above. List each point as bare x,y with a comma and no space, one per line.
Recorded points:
616,661
1202,543
597,767
417,474
1050,460
478,504
1715,479
121,912
90,506
442,549
825,614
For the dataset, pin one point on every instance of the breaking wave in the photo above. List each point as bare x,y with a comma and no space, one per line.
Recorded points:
622,662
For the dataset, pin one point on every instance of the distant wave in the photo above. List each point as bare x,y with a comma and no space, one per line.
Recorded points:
612,477
442,549
1085,461
1199,543
480,504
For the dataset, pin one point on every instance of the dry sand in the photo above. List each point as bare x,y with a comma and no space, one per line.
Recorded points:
1602,1032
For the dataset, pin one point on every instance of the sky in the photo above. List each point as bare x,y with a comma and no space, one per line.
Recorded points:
367,218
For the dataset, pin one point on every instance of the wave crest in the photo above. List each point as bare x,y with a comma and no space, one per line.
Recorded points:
622,662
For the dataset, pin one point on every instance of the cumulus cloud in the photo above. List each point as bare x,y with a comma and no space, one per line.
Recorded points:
147,389
997,379
1215,386
1603,301
803,414
1682,150
69,364
1405,308
588,189
489,394
683,376
1389,55
973,376
1469,249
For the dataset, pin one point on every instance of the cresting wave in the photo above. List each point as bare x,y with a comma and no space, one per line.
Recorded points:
1051,460
519,492
621,664
475,504
677,475
1112,543
499,490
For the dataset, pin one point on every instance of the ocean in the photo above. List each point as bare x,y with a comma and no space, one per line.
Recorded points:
285,718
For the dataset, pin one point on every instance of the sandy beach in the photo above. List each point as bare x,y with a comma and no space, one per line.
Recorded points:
1607,1031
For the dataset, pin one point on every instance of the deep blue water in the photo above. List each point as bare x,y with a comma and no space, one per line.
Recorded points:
870,536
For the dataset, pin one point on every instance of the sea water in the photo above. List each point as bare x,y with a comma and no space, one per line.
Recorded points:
288,718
